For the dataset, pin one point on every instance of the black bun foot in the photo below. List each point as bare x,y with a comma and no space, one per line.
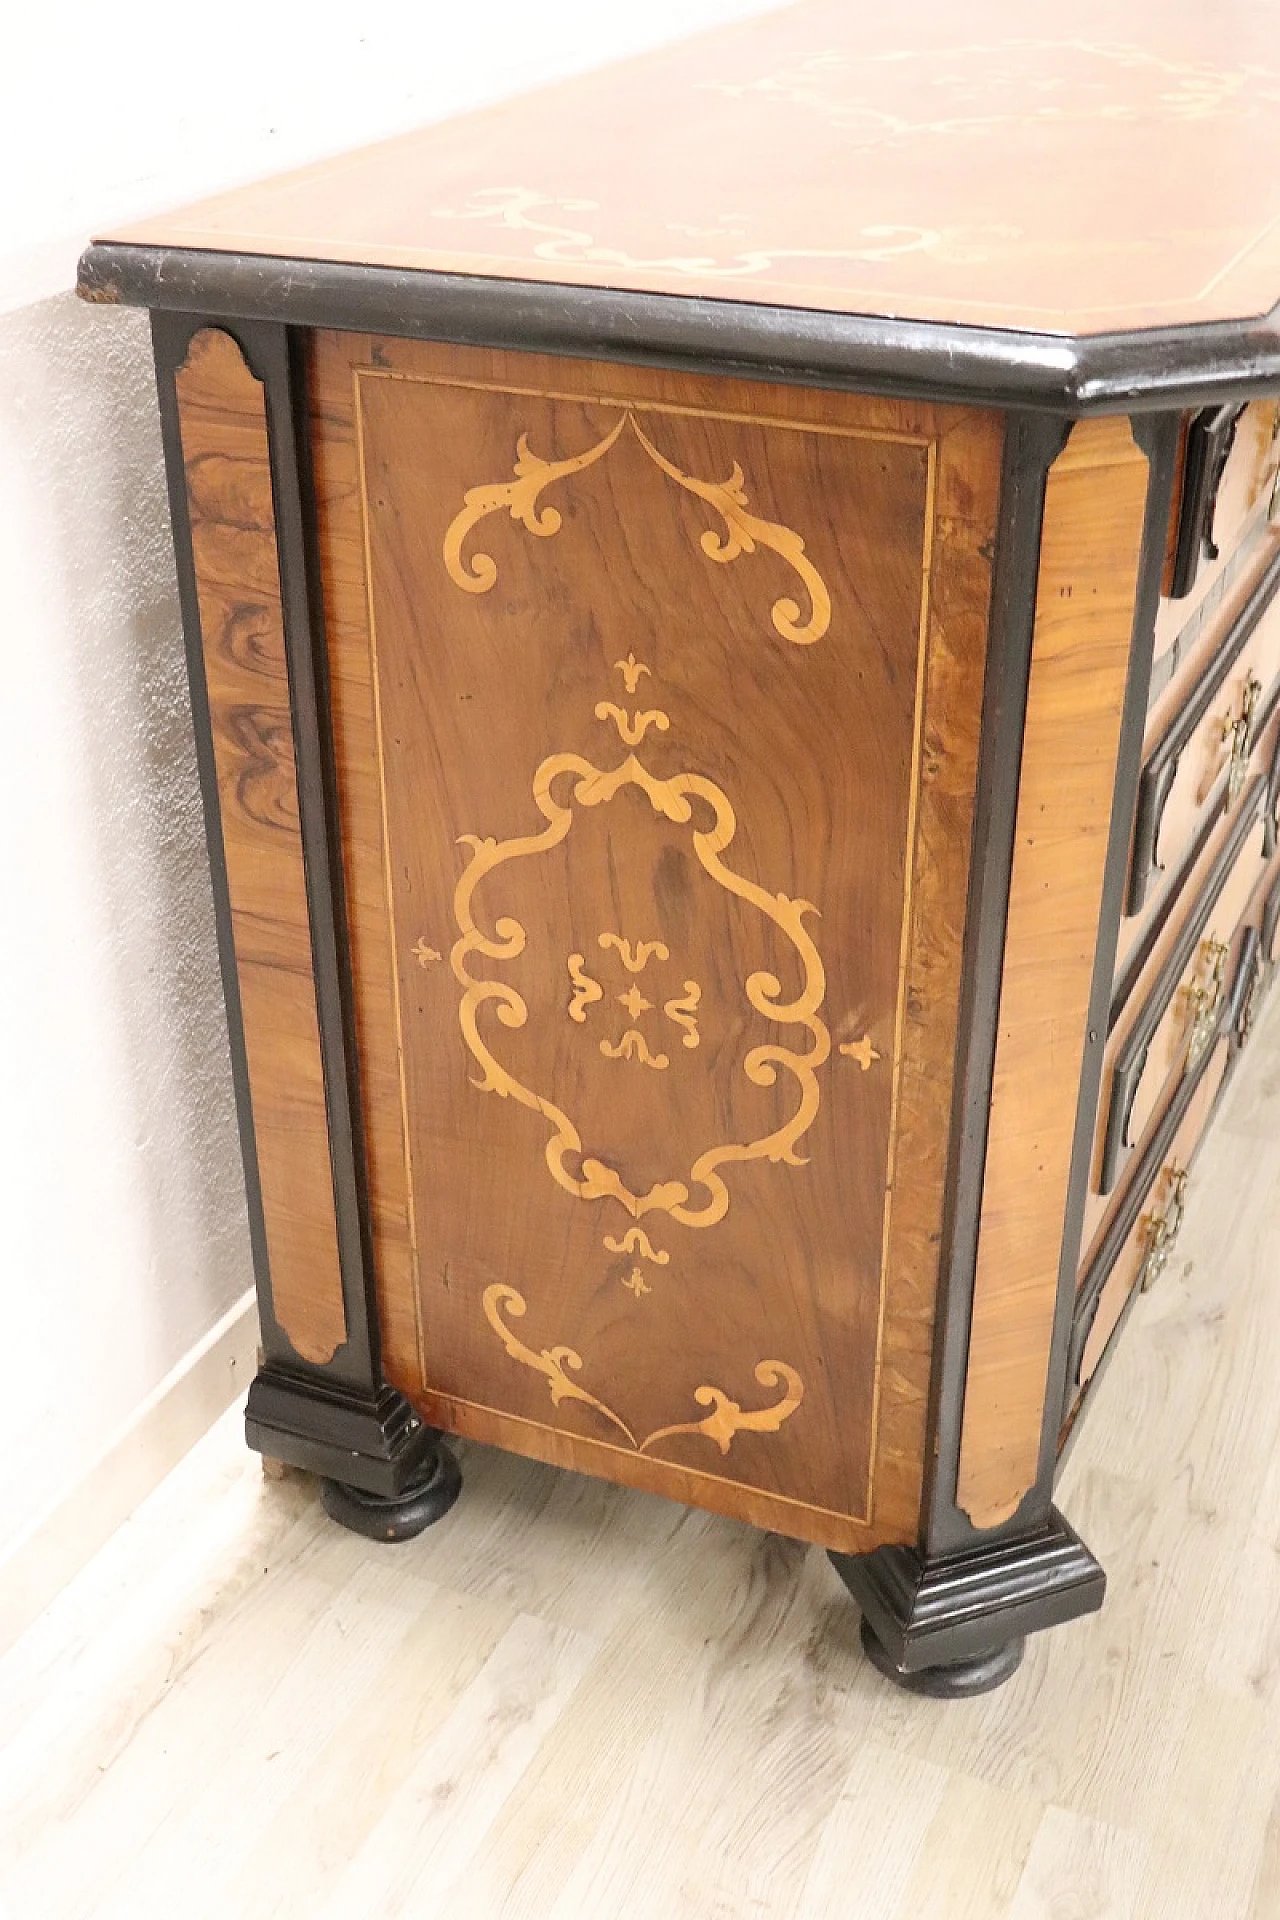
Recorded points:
402,1517
958,1681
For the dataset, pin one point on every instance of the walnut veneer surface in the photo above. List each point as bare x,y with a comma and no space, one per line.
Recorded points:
1106,166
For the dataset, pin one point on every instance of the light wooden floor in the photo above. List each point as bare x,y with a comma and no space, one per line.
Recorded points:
572,1701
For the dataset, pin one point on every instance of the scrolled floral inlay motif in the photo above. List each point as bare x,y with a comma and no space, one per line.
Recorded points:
511,207
685,1013
565,784
520,498
744,531
636,1240
726,1418
631,670
632,727
634,1046
703,1198
586,991
634,958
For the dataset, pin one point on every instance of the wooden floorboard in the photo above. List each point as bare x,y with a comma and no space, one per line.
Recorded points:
569,1700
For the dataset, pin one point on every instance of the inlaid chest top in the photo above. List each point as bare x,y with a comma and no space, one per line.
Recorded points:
1098,167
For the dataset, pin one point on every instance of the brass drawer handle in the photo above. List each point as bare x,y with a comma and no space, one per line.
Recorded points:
1239,733
1162,1229
1205,998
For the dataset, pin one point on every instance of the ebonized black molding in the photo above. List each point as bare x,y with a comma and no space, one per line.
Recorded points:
1153,369
1161,768
1132,1055
929,1613
1032,443
1209,441
372,1441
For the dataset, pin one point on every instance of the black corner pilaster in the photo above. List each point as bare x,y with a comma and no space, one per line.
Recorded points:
1032,444
1031,452
340,1418
948,1615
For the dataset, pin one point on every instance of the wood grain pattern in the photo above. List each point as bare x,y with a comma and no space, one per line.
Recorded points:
848,757
1092,536
1113,172
225,451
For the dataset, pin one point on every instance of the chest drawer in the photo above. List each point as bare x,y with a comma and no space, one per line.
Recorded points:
1230,459
1163,1032
1144,1233
1197,767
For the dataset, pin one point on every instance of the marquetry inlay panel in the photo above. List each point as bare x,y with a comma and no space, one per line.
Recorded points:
673,705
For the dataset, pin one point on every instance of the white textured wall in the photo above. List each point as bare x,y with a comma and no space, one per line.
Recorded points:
122,1232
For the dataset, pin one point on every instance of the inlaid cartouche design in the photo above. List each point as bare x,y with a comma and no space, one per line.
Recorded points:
562,783
565,782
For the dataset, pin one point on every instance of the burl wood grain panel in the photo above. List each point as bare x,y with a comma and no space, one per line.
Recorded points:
656,712
1109,166
225,452
1092,537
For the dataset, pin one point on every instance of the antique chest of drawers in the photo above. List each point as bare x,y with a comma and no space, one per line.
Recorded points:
737,686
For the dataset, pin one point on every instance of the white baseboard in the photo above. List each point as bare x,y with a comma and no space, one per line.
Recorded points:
52,1550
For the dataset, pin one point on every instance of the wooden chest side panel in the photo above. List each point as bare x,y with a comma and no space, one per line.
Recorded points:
1092,537
525,646
227,460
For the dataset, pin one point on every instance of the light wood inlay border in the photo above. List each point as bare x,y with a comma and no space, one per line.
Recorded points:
1095,503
